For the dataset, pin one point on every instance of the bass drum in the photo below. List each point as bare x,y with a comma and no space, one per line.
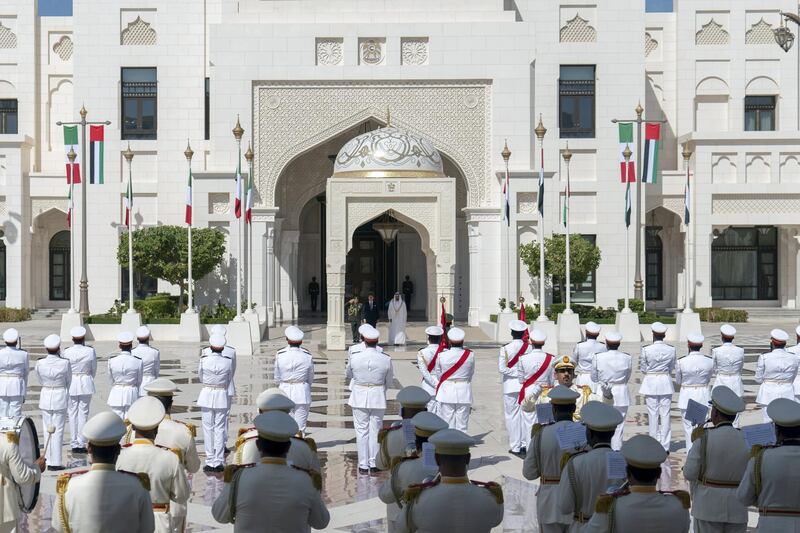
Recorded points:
28,440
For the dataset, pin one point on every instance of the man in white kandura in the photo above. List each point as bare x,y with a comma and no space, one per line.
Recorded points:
125,375
657,363
536,374
14,367
454,370
510,355
693,374
727,361
54,375
426,362
612,372
215,372
796,350
151,357
775,372
83,361
397,320
294,373
585,353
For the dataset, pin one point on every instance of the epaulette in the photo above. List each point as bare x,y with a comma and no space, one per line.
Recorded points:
12,437
316,477
128,445
281,350
242,431
536,428
698,432
495,489
413,491
136,357
397,460
227,357
566,456
230,471
176,451
143,478
63,480
604,501
385,431
305,350
758,449
242,439
191,427
682,495
308,440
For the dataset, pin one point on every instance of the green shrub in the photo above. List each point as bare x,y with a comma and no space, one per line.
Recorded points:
105,318
637,306
12,314
219,314
493,318
720,314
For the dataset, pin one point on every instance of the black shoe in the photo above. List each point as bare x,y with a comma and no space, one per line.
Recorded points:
219,468
52,468
523,451
207,468
227,451
374,470
79,450
364,471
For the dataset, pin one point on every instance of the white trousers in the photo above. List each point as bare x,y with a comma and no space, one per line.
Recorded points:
455,414
433,407
120,410
78,410
658,418
528,420
514,422
367,423
703,526
11,406
300,415
688,427
764,415
214,424
227,417
55,419
616,440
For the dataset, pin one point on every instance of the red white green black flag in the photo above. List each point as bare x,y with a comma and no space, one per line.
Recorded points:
71,142
652,138
627,170
96,141
188,217
237,206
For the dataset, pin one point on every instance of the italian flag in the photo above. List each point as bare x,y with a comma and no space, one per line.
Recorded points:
188,217
70,205
248,210
237,206
96,137
627,171
628,205
129,201
652,136
71,142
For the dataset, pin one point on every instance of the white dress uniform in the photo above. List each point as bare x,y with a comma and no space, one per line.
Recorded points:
83,360
796,385
215,371
54,375
528,365
585,353
294,373
125,375
657,363
455,393
370,373
151,363
613,371
515,425
693,374
429,381
179,437
13,471
775,372
728,361
14,367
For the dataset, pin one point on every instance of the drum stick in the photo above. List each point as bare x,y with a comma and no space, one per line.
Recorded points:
50,431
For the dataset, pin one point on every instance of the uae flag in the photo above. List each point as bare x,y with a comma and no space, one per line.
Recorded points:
506,201
71,142
237,206
248,210
686,200
188,217
628,205
70,205
652,137
129,201
540,197
627,170
96,136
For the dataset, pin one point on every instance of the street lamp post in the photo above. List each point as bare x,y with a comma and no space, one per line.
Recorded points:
506,153
190,280
567,155
128,154
84,285
71,155
249,157
238,131
687,305
540,132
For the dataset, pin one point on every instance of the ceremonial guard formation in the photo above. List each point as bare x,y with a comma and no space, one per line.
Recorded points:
215,371
585,354
125,376
14,366
693,375
728,361
426,362
510,355
454,370
657,365
535,374
611,372
776,371
149,356
392,440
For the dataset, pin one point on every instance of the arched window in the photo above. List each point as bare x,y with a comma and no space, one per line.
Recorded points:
654,269
59,266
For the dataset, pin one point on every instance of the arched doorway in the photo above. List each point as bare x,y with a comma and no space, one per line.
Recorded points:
59,267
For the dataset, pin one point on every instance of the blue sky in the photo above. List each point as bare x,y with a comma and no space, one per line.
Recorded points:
656,6
55,8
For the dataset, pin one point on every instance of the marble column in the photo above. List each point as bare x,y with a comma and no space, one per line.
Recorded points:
17,223
474,236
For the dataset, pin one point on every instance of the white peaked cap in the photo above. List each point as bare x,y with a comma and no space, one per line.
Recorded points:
370,333
142,332
52,342
161,387
727,330
10,335
363,328
293,334
78,332
517,325
218,329
105,429
658,327
146,413
592,327
456,334
434,331
613,336
695,338
538,336
125,337
274,400
779,335
217,341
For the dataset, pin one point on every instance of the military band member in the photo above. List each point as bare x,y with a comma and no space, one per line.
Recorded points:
564,369
14,365
543,461
585,353
294,373
639,506
715,467
150,357
535,374
54,375
83,361
425,506
510,355
410,469
426,362
102,498
585,476
391,441
454,370
613,371
693,374
728,360
657,363
215,371
796,350
775,372
271,491
125,376
168,483
770,481
14,471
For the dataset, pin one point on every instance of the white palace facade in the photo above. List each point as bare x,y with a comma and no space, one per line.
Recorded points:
456,80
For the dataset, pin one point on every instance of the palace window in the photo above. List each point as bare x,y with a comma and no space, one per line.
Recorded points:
576,103
744,264
139,99
759,113
143,285
8,115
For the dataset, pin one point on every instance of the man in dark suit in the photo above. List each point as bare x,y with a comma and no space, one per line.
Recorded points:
371,311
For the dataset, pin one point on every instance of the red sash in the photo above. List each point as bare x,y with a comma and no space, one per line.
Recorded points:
452,369
521,351
531,380
439,349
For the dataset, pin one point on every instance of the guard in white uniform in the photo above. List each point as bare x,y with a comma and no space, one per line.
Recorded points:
585,353
776,372
613,371
543,461
693,374
361,346
715,467
411,468
510,355
426,362
294,373
454,370
150,357
230,352
392,443
370,373
585,477
83,360
215,371
535,374
657,363
54,374
429,507
771,482
728,360
14,367
639,506
272,491
796,350
103,499
125,376
14,472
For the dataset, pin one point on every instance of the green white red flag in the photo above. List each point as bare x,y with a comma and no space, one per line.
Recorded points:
627,170
70,205
96,141
686,200
248,210
237,206
71,142
652,138
188,217
628,205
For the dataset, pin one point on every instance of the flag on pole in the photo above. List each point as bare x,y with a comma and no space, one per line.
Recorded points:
248,209
129,200
686,203
628,205
627,170
652,137
540,197
96,137
71,142
70,205
506,201
521,316
188,217
237,206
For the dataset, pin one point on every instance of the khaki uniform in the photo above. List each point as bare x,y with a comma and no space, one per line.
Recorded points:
101,500
302,451
641,509
13,472
179,437
406,472
772,484
391,446
586,395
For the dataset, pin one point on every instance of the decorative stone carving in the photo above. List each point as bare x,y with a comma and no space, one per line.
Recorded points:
138,33
712,33
388,150
755,204
674,204
40,205
8,39
371,51
650,44
219,203
414,51
329,51
526,203
63,48
760,33
577,30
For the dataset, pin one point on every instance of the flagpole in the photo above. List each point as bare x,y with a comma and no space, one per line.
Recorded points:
189,279
627,155
540,132
687,307
567,155
506,153
238,131
248,155
128,154
71,156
